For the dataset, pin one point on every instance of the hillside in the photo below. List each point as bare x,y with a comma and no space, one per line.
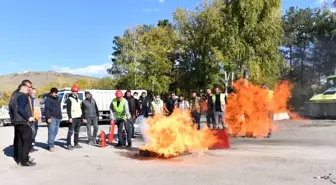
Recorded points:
39,79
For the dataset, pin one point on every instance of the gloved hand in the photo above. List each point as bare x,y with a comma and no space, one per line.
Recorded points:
84,121
70,120
129,117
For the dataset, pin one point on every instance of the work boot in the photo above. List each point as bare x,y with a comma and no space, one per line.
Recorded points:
70,147
119,145
28,164
129,145
78,146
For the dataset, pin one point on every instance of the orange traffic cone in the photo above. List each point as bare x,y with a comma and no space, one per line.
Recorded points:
102,139
223,141
111,134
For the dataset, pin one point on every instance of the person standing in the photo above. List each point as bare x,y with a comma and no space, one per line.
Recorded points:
145,109
171,104
74,112
37,115
136,99
132,108
183,104
196,109
22,120
210,112
157,105
90,117
11,104
119,112
53,115
219,108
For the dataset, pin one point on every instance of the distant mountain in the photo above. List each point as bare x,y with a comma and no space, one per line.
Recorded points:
38,78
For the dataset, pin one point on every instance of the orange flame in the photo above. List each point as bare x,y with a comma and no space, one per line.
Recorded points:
250,108
174,135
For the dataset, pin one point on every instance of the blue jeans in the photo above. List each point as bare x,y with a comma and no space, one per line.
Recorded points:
34,129
196,118
52,131
219,119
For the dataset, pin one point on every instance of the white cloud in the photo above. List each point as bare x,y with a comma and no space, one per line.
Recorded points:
151,10
161,1
92,70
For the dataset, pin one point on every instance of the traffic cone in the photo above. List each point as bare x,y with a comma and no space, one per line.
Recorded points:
102,139
223,140
111,134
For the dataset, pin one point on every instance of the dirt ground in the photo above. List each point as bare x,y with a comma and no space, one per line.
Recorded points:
300,151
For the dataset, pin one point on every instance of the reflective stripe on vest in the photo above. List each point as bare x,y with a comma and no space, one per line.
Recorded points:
119,111
76,111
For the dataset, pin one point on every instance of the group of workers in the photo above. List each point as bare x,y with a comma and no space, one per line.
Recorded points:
25,113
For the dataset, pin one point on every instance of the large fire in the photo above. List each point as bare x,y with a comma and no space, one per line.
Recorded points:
248,112
174,135
250,108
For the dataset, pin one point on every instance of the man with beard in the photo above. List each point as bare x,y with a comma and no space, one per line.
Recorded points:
132,108
90,117
53,115
196,109
22,117
210,112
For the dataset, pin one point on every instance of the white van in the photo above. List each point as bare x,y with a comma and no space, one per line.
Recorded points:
103,99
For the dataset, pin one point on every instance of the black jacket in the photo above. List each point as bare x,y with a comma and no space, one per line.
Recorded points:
14,97
145,108
22,109
131,104
52,108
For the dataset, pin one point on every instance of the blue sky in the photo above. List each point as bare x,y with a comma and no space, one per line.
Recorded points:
76,35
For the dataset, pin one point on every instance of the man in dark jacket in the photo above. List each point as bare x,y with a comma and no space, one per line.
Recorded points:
15,95
90,115
53,115
145,105
132,108
22,116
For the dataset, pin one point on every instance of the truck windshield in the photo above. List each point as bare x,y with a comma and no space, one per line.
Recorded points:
331,82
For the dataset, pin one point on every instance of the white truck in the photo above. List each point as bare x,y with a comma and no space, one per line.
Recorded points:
103,99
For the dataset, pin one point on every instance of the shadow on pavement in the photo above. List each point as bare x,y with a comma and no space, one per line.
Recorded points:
9,151
46,147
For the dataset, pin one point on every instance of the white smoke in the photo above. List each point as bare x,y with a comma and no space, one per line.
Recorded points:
141,121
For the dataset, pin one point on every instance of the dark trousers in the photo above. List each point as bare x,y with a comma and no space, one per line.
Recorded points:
132,121
74,129
92,122
210,118
197,119
127,125
22,142
34,131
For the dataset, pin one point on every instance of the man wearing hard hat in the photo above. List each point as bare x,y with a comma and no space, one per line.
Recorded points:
75,117
119,112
